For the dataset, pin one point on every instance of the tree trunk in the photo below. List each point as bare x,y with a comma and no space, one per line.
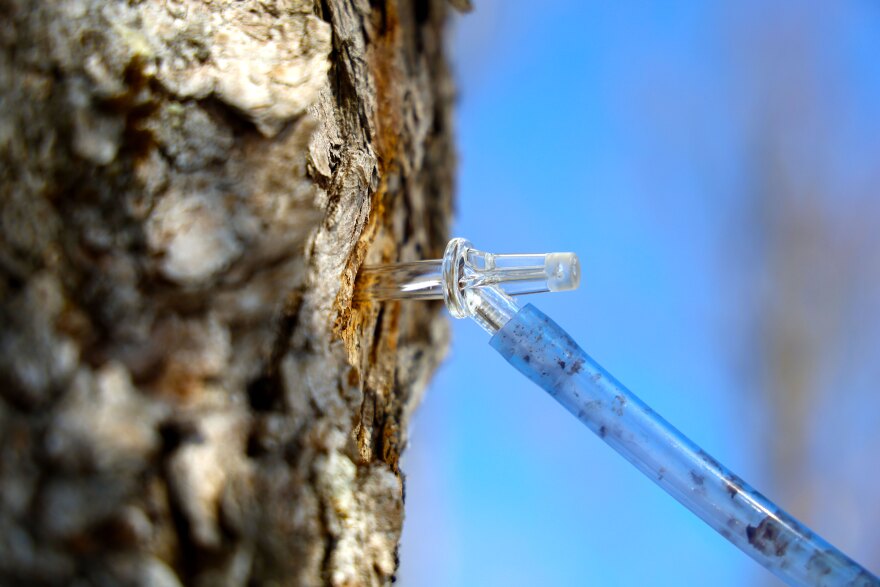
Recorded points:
188,394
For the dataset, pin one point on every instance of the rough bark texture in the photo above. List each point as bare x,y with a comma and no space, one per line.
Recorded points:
187,393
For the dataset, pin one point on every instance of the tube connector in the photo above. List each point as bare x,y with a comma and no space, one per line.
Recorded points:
473,283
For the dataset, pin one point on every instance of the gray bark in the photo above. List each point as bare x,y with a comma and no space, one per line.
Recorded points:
188,394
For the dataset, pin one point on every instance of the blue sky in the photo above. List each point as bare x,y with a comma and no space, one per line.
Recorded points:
624,132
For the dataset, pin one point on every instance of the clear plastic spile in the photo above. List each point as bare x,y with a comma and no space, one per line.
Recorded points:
464,268
523,274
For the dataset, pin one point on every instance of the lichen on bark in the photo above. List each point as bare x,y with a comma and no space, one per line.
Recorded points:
188,394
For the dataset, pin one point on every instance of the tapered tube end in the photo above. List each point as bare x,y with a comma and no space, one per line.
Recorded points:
563,271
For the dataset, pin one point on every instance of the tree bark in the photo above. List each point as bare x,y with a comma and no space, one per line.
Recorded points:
188,393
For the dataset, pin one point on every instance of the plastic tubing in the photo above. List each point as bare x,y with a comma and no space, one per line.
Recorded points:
478,285
538,348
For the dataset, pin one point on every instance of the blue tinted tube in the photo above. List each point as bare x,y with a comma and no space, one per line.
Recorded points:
544,353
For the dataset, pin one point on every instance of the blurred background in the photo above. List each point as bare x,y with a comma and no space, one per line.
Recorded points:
716,165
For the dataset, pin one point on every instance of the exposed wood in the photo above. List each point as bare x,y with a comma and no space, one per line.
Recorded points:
187,394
